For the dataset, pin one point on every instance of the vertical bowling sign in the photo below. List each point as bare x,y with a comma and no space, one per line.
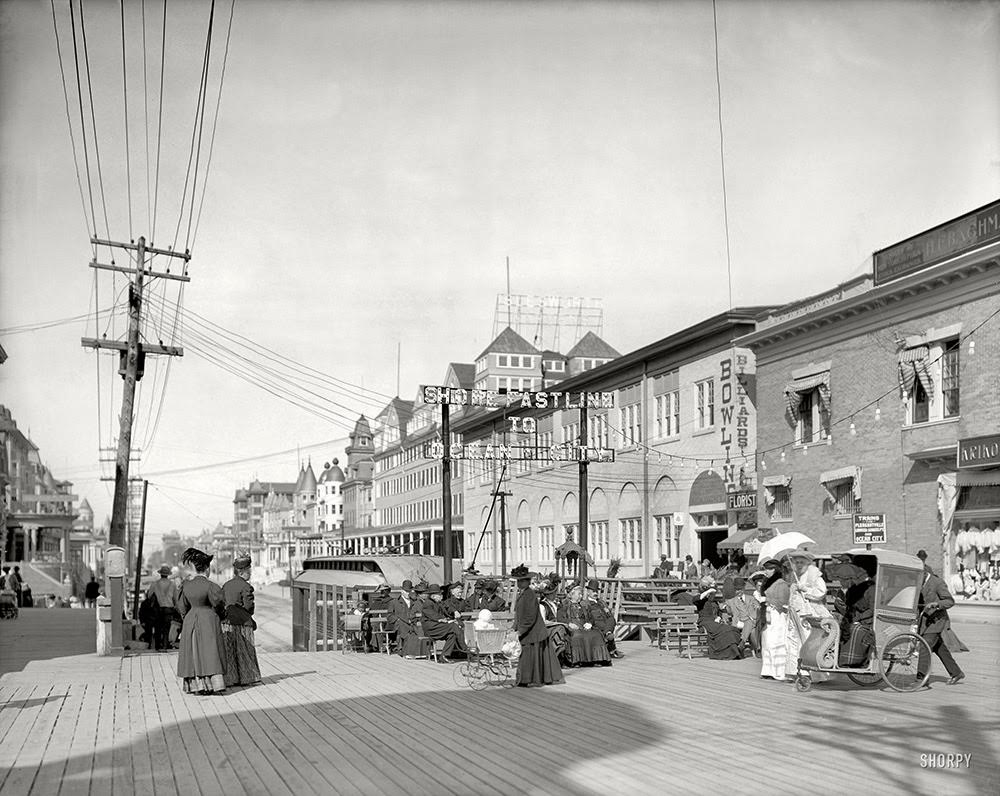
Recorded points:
735,414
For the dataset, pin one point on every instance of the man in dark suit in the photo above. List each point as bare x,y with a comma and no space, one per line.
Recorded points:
935,600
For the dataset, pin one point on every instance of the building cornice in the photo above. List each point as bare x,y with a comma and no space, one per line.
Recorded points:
967,277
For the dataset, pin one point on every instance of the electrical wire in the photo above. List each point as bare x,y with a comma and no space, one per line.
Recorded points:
159,124
273,356
722,154
69,124
215,122
93,120
128,151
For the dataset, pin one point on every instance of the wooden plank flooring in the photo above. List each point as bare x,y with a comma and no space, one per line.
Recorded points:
327,723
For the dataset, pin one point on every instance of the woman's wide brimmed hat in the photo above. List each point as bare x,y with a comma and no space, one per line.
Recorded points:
520,572
243,562
801,554
760,573
433,589
707,582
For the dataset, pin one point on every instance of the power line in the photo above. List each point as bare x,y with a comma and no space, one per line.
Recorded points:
215,122
93,119
274,356
722,154
128,167
246,460
159,124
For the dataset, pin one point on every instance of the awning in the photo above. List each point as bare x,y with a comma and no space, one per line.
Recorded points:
977,478
795,389
737,540
832,477
772,481
913,366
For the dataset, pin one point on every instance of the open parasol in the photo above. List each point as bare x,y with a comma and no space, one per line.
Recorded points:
781,544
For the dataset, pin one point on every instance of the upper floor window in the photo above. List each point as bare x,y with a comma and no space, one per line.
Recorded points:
481,364
555,366
631,424
668,414
704,392
929,381
843,489
808,401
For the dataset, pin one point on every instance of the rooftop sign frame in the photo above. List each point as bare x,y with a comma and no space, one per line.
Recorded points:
951,238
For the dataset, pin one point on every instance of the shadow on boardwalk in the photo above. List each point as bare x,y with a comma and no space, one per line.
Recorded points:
40,634
447,742
879,743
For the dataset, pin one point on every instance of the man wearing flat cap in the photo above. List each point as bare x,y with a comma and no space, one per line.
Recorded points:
165,593
437,625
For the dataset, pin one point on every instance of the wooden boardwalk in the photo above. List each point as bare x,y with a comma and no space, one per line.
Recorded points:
328,723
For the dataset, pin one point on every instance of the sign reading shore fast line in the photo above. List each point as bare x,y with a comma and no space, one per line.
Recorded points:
494,399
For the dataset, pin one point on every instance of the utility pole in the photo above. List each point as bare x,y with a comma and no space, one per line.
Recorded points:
503,527
138,557
584,494
446,547
132,355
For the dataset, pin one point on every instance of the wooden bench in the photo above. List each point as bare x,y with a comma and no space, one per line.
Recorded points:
680,623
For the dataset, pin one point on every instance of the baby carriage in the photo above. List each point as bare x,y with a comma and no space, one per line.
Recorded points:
8,604
491,653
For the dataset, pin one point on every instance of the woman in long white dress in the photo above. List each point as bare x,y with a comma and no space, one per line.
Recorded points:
772,594
807,598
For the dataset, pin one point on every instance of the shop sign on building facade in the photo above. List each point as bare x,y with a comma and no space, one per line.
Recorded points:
869,529
494,399
979,452
738,501
953,237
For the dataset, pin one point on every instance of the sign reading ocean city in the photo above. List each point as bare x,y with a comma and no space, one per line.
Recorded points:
869,529
494,399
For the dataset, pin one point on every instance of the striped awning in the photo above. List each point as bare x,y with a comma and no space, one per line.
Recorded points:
913,366
795,389
832,477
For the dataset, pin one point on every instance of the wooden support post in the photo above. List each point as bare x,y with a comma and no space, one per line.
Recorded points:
584,495
446,547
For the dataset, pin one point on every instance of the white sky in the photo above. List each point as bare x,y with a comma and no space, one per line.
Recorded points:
376,162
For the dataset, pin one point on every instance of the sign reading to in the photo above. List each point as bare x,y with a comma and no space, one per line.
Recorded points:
869,529
494,399
519,453
739,501
971,230
979,452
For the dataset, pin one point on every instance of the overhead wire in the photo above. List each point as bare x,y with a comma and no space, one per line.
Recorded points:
198,117
128,151
83,123
159,123
318,376
201,127
91,224
215,122
93,119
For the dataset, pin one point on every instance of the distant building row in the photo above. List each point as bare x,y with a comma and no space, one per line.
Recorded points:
877,397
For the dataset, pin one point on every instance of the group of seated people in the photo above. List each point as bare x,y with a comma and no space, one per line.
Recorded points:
580,625
427,611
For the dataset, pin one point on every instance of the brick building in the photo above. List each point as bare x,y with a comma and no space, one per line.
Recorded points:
867,393
682,428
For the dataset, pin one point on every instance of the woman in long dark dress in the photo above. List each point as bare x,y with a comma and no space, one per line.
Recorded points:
200,604
241,667
586,642
725,642
538,664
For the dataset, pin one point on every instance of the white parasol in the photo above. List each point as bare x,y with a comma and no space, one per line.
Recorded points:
781,544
